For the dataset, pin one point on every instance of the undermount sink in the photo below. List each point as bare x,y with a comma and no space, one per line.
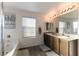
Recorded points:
66,35
63,37
69,36
72,36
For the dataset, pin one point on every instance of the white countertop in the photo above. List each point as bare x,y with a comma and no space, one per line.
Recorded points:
68,37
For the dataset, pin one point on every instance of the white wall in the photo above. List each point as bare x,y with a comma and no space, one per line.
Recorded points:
17,34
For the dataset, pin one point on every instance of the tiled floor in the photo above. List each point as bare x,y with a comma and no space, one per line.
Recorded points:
23,52
41,50
51,53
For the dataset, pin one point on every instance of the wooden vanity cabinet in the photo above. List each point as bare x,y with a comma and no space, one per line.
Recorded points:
68,48
73,48
52,42
56,45
61,45
47,40
64,47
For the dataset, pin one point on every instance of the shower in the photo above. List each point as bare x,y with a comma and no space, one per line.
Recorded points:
1,29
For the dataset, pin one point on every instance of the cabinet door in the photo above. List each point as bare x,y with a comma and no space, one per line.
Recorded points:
52,42
63,47
73,46
56,45
47,40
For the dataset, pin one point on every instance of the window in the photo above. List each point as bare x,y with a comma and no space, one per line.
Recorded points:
75,27
61,27
29,27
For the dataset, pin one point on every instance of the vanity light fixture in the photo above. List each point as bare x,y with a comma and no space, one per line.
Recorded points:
68,9
62,9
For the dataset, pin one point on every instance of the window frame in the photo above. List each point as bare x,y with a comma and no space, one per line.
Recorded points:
61,27
75,27
23,27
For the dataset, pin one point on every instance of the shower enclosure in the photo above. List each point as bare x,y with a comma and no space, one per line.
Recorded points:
8,41
1,29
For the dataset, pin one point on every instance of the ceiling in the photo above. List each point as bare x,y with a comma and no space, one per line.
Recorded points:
38,7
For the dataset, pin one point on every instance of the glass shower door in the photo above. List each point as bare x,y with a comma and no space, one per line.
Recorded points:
1,30
0,35
8,35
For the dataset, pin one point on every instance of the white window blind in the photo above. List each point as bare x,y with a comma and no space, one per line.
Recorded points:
29,27
61,27
75,26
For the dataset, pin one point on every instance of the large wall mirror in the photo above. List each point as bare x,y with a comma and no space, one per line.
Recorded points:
68,23
49,26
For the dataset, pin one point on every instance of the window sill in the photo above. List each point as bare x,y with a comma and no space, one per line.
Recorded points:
30,37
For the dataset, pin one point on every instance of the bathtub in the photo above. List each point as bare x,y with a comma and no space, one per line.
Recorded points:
13,52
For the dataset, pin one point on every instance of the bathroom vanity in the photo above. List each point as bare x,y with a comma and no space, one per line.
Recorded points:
63,36
61,44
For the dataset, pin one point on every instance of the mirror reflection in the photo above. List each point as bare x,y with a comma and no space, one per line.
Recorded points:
68,23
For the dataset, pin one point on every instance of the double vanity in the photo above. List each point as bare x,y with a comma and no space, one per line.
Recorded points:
62,34
62,44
